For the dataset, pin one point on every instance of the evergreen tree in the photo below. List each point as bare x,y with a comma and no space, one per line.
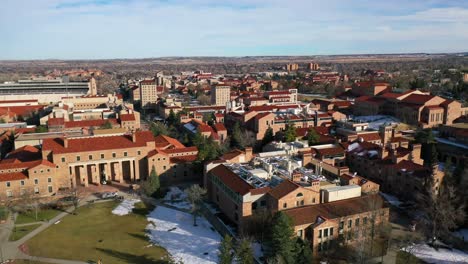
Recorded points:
225,250
290,133
236,137
171,119
151,185
268,137
281,241
158,128
244,252
106,125
312,137
303,252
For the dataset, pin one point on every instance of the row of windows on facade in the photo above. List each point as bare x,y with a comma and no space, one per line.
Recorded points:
9,193
22,182
90,157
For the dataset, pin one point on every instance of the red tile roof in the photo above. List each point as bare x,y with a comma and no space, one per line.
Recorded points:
220,127
231,180
283,189
417,98
127,117
90,123
25,165
309,214
164,142
97,143
58,121
13,176
370,136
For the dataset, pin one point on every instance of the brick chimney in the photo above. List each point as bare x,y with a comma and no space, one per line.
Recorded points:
134,136
65,142
248,154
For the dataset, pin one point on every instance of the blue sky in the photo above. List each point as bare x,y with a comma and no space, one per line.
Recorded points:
96,29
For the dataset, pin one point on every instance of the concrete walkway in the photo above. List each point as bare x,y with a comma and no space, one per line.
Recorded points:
10,250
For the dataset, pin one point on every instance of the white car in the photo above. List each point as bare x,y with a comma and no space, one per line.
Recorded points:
109,195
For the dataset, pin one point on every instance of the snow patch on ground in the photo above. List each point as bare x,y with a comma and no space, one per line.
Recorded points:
125,207
174,231
177,198
257,249
440,256
375,121
462,233
391,199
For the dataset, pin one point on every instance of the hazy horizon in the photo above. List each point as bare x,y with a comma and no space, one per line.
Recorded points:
130,29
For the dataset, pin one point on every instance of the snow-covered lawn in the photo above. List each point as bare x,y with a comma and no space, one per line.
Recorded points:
125,207
462,233
174,231
177,198
375,121
441,256
391,199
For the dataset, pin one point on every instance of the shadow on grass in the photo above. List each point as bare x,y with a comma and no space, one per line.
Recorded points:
140,236
129,258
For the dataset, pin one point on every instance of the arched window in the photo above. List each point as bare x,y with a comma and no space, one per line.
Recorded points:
299,195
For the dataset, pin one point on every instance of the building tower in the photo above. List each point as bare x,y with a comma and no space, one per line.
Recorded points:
220,94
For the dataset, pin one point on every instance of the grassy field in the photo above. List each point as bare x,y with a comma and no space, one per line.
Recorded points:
30,216
21,231
3,213
25,261
95,233
407,258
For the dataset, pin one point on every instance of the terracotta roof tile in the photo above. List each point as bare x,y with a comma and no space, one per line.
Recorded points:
231,180
283,189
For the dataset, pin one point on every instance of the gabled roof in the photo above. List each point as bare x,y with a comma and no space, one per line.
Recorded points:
417,98
127,117
283,189
165,142
23,154
231,180
56,145
310,213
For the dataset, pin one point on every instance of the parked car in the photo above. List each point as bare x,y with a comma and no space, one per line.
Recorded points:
109,195
67,201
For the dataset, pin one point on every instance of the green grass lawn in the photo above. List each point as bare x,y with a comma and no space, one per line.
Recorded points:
30,216
407,258
3,213
95,233
21,231
26,261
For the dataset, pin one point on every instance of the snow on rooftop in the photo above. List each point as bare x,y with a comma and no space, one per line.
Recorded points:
174,231
391,199
375,121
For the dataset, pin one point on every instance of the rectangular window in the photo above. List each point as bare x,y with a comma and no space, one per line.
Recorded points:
365,220
78,158
63,159
125,154
102,155
299,233
90,157
320,234
350,223
138,152
22,183
341,225
325,232
49,179
113,154
356,222
9,193
285,205
331,231
36,181
36,190
50,189
8,184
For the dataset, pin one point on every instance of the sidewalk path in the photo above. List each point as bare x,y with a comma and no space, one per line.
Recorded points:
11,249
